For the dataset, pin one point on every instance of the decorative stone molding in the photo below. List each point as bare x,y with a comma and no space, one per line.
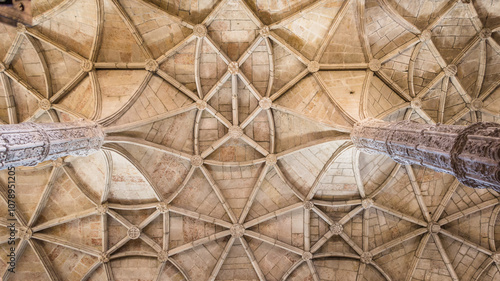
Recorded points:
103,258
196,161
416,103
28,144
102,209
265,31
271,159
2,67
162,207
433,227
87,66
162,256
25,233
336,228
265,103
485,33
375,65
426,35
235,132
59,162
308,205
21,28
233,67
134,232
201,104
450,70
307,256
237,230
496,258
471,154
366,257
200,30
476,104
313,66
367,203
44,104
151,65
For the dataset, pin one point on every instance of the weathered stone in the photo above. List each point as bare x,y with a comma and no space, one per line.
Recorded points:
375,65
87,66
134,232
44,104
28,144
307,256
196,160
265,103
237,230
313,66
336,228
200,30
151,65
235,132
471,154
233,67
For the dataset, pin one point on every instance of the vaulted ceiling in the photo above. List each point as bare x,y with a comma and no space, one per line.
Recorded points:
227,154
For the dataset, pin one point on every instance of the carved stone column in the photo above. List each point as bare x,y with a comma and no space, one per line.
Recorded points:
471,154
28,144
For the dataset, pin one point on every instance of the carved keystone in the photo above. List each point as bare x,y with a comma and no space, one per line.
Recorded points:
308,205
201,104
265,103
25,233
367,203
44,104
102,209
2,67
485,33
103,258
151,65
366,257
271,159
307,256
196,161
134,232
496,258
425,36
162,256
235,132
87,66
21,28
336,228
313,66
416,103
265,31
450,70
200,30
233,67
237,230
59,162
433,227
162,207
375,65
476,104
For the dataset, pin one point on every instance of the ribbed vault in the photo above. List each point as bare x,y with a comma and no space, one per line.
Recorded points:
227,153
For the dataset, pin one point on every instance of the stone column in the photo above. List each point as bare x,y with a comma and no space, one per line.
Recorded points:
28,144
471,154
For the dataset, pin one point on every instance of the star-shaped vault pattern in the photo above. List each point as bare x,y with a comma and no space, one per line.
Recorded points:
227,154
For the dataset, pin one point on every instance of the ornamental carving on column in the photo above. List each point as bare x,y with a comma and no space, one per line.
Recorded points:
471,154
29,144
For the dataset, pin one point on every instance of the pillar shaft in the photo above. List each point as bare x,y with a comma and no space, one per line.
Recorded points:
471,154
28,144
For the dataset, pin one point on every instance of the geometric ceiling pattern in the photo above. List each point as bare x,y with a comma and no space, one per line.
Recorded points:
227,154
